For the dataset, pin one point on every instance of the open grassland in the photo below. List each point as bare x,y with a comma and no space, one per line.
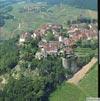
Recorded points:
32,20
90,83
88,87
67,92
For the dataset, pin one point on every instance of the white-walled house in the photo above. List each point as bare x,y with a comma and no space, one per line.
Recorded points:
24,37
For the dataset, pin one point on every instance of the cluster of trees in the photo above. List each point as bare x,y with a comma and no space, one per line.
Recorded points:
87,44
93,44
49,36
86,4
46,66
64,33
27,52
8,55
77,3
34,88
5,8
81,19
37,88
82,61
23,89
50,70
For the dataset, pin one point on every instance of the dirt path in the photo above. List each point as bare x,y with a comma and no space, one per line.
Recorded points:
80,74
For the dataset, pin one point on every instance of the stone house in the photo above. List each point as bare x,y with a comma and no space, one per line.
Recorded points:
24,37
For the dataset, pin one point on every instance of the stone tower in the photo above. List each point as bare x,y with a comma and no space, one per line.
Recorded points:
70,62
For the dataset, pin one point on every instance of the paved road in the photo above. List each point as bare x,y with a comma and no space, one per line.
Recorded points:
80,74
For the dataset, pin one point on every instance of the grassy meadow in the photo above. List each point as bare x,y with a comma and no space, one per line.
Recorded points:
88,87
90,83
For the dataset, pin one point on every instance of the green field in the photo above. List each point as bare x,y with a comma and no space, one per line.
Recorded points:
30,20
90,83
84,52
88,87
67,92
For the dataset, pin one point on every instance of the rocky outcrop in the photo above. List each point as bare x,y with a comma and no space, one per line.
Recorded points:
70,62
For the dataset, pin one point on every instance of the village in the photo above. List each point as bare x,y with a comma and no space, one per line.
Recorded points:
60,43
48,50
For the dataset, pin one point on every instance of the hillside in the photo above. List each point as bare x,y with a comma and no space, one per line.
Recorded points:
33,19
85,4
44,44
90,83
88,87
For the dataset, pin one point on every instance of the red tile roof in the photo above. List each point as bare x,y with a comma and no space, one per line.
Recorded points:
40,31
52,46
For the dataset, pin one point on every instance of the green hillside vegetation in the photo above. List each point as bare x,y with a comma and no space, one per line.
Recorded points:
88,87
43,76
83,4
84,55
83,52
90,83
33,19
67,92
8,55
23,77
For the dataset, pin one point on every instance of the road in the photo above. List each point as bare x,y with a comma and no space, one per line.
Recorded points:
81,74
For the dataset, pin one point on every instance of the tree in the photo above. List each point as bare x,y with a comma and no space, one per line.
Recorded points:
24,89
5,8
69,22
2,21
27,53
49,36
9,55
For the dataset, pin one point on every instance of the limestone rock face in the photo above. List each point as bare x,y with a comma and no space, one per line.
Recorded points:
74,67
70,62
65,63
